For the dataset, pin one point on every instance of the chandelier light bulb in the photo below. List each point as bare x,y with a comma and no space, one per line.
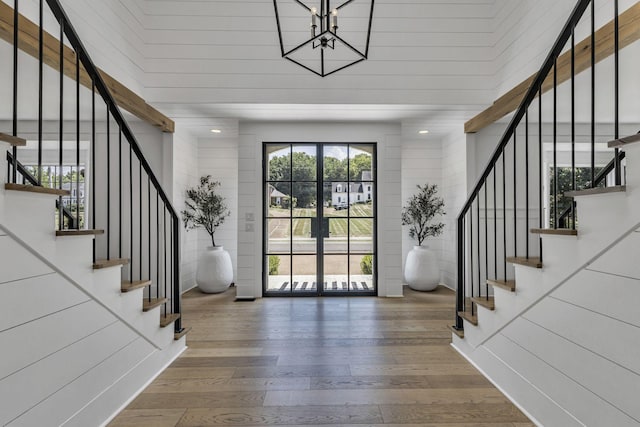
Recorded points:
334,19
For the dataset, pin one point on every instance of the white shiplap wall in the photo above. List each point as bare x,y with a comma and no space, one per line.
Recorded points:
61,349
185,175
579,346
218,157
421,164
388,139
433,52
454,191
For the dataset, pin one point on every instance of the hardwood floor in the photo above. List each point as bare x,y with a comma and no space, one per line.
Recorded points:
320,361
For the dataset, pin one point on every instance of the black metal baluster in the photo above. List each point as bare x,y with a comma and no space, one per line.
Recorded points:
130,212
573,126
108,184
504,212
515,199
61,129
149,224
540,172
93,163
495,224
526,179
616,57
14,150
486,242
120,192
478,243
140,224
164,240
158,246
471,254
176,271
77,142
40,86
555,145
593,94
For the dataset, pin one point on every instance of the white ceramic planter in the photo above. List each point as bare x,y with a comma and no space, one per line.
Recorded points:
421,271
215,272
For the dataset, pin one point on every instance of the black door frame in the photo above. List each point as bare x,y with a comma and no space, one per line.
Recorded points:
320,291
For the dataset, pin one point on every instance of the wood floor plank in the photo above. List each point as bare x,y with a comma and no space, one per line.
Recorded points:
148,418
313,361
228,399
185,373
227,384
218,362
447,413
398,382
483,396
308,415
294,371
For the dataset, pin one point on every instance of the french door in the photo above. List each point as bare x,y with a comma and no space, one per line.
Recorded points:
319,219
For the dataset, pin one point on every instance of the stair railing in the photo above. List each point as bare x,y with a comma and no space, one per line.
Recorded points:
127,200
489,236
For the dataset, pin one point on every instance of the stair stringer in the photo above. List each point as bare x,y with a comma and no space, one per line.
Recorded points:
30,217
573,356
604,219
67,358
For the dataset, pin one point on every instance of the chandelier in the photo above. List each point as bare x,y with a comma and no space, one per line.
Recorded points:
309,36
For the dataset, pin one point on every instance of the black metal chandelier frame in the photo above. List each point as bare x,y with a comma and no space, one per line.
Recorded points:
327,36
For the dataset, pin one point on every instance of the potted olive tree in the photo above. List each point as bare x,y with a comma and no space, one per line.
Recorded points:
421,270
207,209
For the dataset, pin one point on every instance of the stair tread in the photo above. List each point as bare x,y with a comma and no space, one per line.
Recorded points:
597,190
168,319
13,140
182,333
555,231
509,285
155,302
63,233
130,286
527,262
105,263
36,189
621,142
466,315
459,333
488,303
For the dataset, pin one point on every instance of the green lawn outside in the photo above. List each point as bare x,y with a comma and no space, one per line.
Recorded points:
360,227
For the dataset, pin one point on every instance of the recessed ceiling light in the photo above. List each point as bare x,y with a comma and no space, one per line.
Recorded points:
423,132
216,131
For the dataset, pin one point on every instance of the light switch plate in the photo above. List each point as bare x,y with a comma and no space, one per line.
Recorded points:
248,227
249,216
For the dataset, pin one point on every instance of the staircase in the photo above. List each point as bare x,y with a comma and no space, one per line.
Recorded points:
89,284
546,293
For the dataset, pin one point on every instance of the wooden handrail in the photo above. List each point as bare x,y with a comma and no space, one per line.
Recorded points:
28,35
629,32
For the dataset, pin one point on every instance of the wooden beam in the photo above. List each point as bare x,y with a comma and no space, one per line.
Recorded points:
28,36
629,32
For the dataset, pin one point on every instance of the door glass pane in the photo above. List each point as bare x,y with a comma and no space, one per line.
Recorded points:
304,163
304,236
279,166
279,199
305,200
336,273
304,273
279,236
279,277
335,163
361,235
337,241
361,163
361,273
335,198
362,205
